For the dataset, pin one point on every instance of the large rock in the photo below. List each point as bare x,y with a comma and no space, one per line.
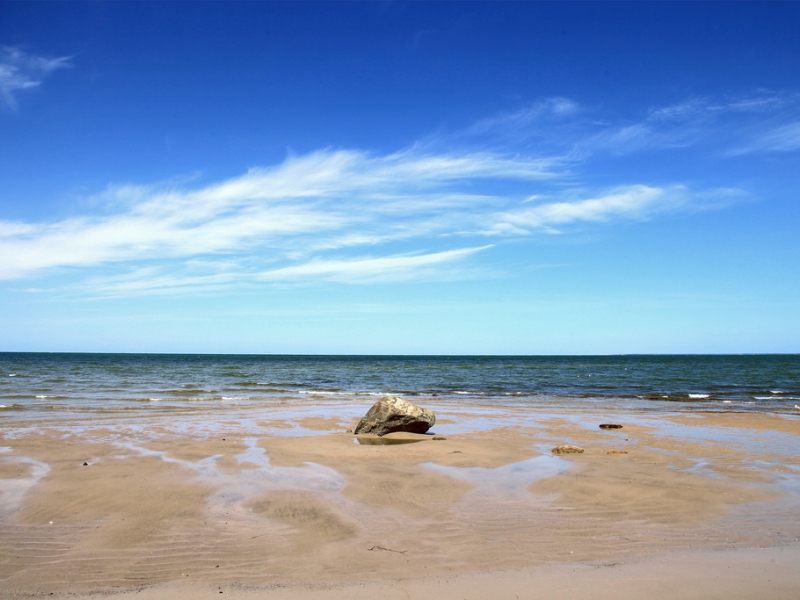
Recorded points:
391,414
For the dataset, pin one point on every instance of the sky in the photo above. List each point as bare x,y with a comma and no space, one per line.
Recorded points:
400,177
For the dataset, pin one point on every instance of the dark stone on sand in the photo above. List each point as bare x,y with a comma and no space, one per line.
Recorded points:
392,414
85,464
567,449
610,426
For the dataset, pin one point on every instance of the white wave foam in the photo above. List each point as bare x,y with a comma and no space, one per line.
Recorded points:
698,396
42,397
12,374
777,392
154,399
727,401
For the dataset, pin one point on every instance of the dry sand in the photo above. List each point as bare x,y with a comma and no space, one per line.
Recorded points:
695,506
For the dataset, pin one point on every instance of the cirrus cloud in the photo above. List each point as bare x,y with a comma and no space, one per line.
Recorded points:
22,71
421,211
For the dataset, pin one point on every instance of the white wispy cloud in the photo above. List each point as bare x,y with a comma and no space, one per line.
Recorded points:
326,199
551,109
21,71
209,277
785,138
632,202
385,268
301,219
560,127
149,281
727,126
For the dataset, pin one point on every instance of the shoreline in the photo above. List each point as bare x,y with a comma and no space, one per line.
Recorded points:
286,497
43,385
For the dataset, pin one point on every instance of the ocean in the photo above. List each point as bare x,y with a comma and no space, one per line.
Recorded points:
45,385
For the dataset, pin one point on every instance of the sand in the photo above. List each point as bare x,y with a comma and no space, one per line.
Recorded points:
261,505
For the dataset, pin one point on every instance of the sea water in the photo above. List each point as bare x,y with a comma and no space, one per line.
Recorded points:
46,384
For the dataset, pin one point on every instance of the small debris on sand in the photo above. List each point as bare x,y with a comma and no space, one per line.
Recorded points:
616,451
610,426
567,449
387,549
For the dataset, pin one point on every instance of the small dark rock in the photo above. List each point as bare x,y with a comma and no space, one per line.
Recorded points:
85,464
610,426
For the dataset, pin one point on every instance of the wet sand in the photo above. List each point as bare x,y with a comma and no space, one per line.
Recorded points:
271,503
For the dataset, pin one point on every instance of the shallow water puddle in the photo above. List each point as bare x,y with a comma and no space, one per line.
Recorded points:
509,481
15,488
234,490
746,440
743,438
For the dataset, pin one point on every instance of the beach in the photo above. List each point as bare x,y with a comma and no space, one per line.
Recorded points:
423,300
284,501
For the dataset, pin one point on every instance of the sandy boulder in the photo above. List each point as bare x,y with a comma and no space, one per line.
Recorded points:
392,414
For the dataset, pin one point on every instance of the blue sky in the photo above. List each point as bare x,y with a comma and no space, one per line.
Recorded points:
400,177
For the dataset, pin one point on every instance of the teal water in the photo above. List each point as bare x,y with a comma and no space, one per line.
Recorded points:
44,383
